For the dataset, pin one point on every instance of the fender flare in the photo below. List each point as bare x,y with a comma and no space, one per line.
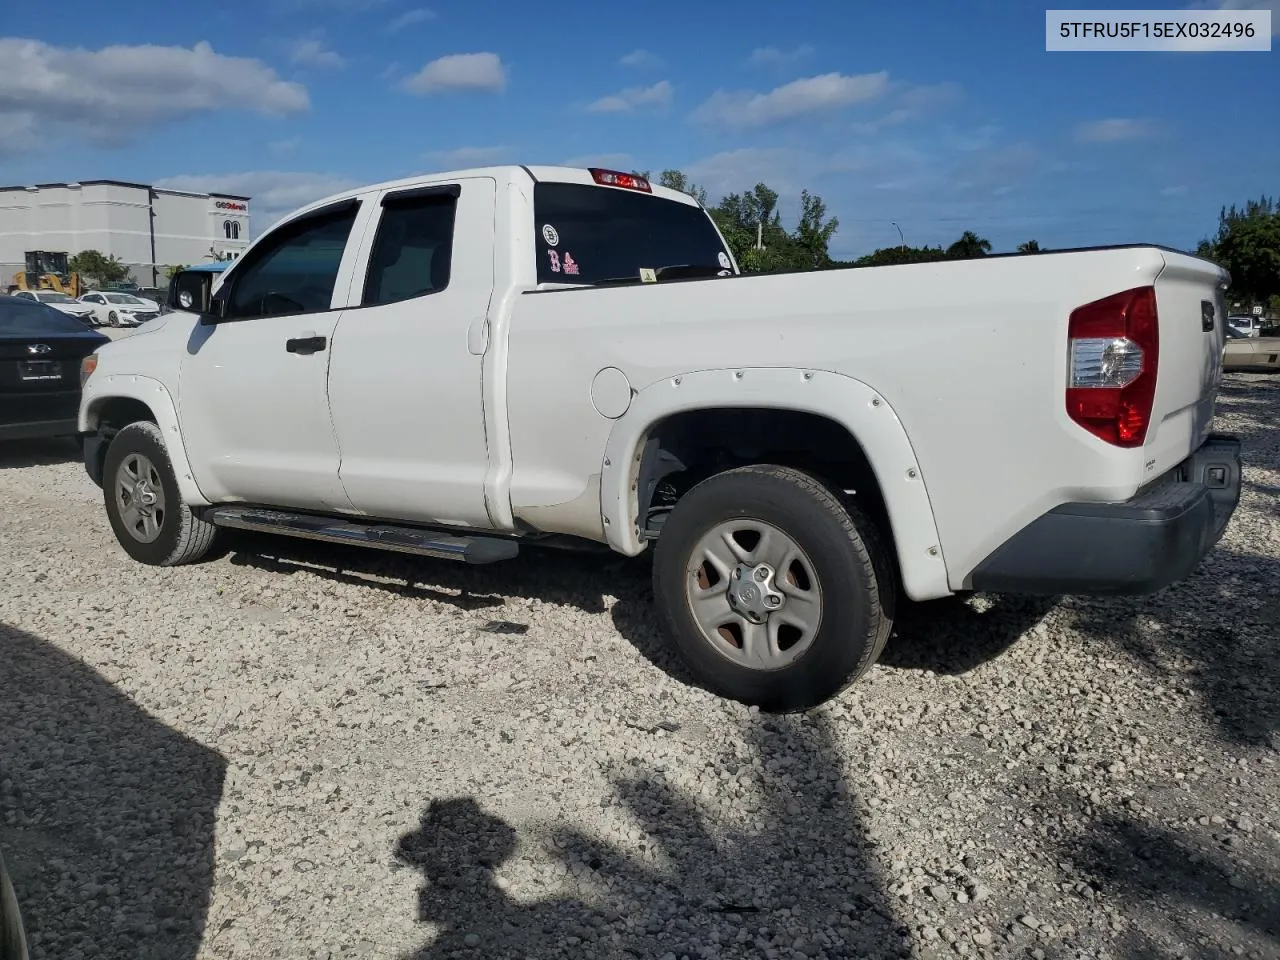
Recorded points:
861,410
156,397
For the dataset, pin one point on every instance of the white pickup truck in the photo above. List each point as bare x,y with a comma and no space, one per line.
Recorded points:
465,364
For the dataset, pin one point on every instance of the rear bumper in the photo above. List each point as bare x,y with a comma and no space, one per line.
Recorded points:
1137,546
39,428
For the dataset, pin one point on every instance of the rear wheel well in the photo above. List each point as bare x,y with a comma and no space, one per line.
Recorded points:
686,448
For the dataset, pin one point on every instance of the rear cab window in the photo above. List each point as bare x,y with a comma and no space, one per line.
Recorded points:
586,234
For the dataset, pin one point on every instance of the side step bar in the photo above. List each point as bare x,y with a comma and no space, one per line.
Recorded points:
379,536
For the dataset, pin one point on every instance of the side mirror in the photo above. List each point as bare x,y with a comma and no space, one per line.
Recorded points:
191,291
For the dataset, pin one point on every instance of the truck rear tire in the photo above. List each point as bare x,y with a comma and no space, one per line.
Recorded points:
776,591
144,504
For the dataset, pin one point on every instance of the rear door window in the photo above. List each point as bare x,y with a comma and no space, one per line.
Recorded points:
585,234
413,251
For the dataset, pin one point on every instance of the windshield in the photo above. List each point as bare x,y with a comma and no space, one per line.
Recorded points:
122,298
20,317
586,234
53,297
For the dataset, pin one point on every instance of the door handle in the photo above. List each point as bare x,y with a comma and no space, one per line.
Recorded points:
308,344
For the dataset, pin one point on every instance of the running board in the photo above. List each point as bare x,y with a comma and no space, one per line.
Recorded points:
379,536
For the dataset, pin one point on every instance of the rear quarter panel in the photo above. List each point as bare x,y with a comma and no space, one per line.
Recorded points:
970,355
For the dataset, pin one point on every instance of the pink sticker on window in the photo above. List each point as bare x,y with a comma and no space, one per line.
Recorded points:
570,265
555,261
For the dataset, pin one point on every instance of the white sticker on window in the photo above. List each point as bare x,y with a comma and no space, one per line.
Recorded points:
550,235
724,260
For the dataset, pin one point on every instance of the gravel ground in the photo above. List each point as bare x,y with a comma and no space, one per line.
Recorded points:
300,751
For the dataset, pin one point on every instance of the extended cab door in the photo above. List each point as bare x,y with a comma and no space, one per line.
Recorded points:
252,398
405,380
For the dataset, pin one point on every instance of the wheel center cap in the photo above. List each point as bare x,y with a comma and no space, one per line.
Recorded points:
752,592
144,495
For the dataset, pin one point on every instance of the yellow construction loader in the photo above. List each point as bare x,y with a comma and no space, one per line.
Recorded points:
47,271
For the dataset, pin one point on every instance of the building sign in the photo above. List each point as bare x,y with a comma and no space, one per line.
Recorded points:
230,205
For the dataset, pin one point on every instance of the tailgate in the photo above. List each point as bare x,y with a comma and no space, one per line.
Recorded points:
1191,304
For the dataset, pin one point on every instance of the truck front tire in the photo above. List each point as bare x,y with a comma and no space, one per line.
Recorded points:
144,504
776,591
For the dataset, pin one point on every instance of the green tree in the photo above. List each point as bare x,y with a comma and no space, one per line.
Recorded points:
676,180
814,232
886,256
99,267
170,270
1031,246
969,245
1248,246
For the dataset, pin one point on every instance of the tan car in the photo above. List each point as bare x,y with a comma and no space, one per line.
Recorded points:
1242,352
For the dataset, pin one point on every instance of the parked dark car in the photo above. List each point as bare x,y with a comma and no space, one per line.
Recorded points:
13,942
41,351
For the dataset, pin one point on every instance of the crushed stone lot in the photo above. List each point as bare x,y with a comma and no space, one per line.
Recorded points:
301,751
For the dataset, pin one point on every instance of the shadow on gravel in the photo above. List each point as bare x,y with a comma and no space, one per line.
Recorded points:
106,814
1214,633
584,581
789,867
17,454
580,580
1215,897
955,635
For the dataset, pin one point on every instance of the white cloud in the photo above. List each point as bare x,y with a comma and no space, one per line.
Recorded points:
609,161
272,193
772,56
411,17
1114,129
640,58
280,148
19,133
113,95
911,103
462,157
828,91
733,171
624,101
313,51
460,71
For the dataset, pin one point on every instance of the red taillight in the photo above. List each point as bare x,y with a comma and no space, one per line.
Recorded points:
1113,350
615,178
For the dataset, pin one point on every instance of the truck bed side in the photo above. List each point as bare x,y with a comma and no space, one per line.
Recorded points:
971,356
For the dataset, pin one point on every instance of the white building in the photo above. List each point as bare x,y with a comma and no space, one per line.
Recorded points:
148,228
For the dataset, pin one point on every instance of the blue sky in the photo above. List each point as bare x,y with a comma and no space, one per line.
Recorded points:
942,116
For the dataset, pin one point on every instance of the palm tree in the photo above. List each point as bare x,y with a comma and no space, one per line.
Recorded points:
969,245
1031,246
